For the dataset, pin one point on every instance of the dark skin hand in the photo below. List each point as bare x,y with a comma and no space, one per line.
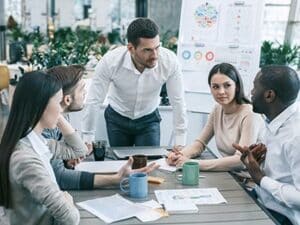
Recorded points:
258,151
252,156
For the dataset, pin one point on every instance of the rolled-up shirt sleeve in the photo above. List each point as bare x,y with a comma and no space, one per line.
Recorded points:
175,90
95,97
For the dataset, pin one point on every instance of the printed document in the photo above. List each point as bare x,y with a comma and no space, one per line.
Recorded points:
198,196
115,208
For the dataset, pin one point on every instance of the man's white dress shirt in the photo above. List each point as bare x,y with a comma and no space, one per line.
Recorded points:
133,94
280,189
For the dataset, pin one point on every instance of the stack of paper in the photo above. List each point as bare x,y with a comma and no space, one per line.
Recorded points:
184,206
115,208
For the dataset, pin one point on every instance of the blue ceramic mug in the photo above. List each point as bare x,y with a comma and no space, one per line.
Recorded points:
136,185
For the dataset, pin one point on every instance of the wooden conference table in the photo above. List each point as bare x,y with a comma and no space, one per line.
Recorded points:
240,209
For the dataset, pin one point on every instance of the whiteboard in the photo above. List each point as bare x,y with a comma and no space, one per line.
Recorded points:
213,32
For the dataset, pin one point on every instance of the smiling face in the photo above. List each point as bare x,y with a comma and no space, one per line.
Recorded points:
223,89
145,54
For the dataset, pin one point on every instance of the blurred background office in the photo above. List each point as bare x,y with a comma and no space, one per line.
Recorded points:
39,34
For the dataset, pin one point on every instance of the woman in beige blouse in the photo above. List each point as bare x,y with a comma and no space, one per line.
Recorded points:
231,121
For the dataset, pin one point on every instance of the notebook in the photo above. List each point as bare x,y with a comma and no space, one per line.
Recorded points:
150,152
180,207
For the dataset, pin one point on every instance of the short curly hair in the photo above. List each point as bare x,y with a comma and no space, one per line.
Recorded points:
141,28
281,79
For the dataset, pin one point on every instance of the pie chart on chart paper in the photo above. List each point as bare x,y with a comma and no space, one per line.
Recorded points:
206,15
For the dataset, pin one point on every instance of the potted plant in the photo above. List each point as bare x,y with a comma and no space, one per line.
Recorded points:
69,47
280,54
17,46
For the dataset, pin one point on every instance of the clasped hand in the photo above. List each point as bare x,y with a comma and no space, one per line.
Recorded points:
175,157
252,157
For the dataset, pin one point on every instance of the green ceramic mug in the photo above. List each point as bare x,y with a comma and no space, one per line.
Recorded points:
190,173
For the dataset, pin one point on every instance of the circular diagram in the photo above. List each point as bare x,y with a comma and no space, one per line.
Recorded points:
209,56
186,54
198,55
206,15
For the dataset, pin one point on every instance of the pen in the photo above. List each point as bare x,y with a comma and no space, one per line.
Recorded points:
180,175
163,206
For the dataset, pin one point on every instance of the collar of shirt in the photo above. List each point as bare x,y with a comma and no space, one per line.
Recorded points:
39,145
128,63
276,123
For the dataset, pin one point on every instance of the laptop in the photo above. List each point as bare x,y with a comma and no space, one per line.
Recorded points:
150,152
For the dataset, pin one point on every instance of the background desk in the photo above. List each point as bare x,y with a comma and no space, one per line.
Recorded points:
241,209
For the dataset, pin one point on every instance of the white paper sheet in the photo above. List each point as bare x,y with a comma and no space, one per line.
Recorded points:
149,214
164,165
115,208
112,166
185,206
198,196
150,204
214,32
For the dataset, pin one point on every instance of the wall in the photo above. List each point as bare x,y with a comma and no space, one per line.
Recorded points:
166,13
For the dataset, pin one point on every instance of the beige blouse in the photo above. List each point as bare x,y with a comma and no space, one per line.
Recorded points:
242,127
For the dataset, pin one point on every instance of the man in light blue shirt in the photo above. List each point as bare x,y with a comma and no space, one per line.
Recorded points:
278,182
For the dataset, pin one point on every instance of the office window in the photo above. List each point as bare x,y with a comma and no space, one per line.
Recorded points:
296,34
13,8
122,13
276,15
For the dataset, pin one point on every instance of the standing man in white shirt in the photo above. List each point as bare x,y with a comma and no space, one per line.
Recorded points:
278,183
132,76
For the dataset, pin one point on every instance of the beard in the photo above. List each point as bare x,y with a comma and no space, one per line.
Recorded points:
75,107
256,107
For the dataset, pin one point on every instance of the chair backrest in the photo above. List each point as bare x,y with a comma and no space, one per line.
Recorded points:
4,77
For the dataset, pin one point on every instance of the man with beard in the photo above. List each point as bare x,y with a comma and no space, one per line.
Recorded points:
135,74
73,100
